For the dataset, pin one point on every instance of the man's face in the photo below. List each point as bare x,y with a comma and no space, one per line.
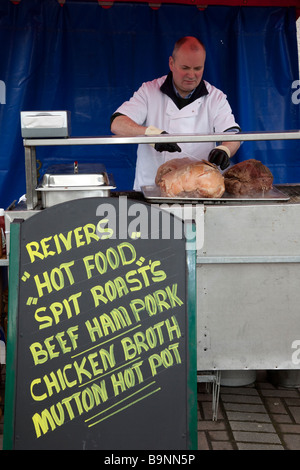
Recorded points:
187,68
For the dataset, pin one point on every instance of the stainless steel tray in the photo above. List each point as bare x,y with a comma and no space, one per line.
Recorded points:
75,180
64,182
80,178
153,193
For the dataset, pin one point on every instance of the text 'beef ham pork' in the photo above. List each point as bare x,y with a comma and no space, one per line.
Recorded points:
182,177
248,178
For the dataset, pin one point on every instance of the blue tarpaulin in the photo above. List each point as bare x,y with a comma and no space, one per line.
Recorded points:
87,59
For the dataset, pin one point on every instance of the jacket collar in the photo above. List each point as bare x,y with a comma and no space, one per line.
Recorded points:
168,89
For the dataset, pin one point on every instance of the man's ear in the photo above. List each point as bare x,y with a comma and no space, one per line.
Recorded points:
171,63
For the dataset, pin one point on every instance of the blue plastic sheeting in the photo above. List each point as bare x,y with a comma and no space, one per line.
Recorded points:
88,60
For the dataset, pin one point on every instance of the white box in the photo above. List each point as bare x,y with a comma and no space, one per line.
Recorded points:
45,124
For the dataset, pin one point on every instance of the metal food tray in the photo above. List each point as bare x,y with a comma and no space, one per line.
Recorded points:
76,177
61,183
153,193
76,182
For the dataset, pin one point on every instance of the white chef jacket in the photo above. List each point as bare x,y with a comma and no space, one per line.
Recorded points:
148,106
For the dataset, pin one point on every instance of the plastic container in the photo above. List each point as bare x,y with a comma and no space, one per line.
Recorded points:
285,378
237,378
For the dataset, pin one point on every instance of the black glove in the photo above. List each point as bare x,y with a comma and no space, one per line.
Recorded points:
167,146
164,146
219,157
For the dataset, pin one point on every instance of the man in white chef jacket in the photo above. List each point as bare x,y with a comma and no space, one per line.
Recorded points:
178,103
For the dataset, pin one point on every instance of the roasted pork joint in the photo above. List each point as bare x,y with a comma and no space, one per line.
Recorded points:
247,178
171,165
189,178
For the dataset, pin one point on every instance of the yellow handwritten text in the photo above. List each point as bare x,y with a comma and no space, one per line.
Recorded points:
123,254
68,408
42,353
56,279
151,338
50,246
68,307
73,374
165,358
156,302
132,281
108,323
129,378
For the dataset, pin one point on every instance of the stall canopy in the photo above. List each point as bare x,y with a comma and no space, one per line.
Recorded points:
88,57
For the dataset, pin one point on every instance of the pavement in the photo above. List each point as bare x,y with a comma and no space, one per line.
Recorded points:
260,416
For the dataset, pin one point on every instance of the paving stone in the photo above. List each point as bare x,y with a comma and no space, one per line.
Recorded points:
244,407
240,398
292,401
207,411
238,391
292,441
289,428
240,416
209,425
216,445
259,437
218,435
202,441
204,397
265,385
284,393
250,426
275,405
295,411
249,446
281,418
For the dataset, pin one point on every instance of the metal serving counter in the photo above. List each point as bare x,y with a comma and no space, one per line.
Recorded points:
248,276
31,144
248,282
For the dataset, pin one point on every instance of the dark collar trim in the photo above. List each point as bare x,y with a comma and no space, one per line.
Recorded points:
168,89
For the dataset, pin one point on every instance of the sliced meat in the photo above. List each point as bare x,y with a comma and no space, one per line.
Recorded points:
194,179
247,178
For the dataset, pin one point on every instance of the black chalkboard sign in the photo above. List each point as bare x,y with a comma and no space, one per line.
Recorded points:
101,341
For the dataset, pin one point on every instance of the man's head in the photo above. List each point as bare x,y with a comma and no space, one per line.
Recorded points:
187,64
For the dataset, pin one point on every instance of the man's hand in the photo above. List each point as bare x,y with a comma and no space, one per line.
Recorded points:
220,156
167,146
164,146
